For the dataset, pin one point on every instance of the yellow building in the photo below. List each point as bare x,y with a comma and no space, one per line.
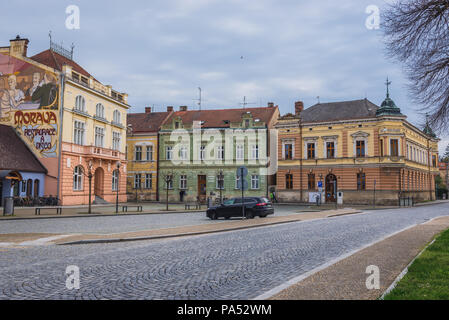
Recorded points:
356,150
142,154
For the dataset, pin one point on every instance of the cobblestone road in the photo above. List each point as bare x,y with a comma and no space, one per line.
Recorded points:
231,265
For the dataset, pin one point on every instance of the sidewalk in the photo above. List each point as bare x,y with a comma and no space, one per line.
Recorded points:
346,279
97,210
11,240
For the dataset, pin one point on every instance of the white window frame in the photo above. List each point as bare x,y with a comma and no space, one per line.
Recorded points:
306,153
116,140
99,112
255,152
285,142
115,177
78,178
149,153
183,182
137,181
255,182
202,152
240,152
79,132
399,146
138,151
99,136
183,153
168,153
117,117
148,181
220,152
237,179
80,103
366,147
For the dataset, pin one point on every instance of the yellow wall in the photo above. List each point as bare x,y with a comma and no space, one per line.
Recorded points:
143,167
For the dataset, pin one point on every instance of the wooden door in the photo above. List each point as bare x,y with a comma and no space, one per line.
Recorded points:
202,188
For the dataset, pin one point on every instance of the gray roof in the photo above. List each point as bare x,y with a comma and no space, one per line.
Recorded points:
344,110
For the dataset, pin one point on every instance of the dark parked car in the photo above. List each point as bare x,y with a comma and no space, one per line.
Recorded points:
254,206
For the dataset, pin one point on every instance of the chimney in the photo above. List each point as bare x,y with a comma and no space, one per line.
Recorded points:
19,46
299,107
183,108
147,109
270,105
169,108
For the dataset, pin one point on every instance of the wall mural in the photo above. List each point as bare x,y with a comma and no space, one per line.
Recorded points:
29,101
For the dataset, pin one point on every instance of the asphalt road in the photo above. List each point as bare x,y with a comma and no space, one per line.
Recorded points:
230,265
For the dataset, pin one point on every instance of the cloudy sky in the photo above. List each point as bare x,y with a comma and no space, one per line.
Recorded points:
161,51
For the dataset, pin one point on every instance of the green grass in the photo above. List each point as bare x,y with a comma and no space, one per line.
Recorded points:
428,276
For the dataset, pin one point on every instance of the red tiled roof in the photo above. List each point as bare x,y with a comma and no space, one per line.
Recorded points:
56,61
217,118
15,154
146,122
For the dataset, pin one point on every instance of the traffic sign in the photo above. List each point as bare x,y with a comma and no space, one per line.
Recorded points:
245,184
320,184
242,169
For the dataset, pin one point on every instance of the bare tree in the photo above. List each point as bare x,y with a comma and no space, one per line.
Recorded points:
417,34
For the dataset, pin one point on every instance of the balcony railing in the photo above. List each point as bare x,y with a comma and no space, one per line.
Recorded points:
98,152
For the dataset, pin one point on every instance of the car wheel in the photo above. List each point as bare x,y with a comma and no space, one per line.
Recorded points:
213,216
227,218
249,215
263,216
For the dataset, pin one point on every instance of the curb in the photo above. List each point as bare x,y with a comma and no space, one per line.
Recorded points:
173,235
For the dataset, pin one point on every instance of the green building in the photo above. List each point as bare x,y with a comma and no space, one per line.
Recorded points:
201,150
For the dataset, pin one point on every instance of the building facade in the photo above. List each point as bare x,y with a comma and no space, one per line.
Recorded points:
73,123
356,150
142,154
200,152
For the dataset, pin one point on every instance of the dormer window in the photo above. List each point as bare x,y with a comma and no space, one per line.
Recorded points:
247,123
176,125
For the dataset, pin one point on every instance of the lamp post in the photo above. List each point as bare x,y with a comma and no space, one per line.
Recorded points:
220,185
117,186
89,176
168,179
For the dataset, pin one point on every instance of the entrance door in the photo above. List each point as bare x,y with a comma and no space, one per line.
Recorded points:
202,184
99,182
331,185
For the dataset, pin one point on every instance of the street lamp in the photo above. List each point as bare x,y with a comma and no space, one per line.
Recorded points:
168,179
89,176
117,185
220,185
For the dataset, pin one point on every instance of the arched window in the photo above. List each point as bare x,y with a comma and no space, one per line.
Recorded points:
36,188
78,178
29,187
116,117
115,175
80,103
100,110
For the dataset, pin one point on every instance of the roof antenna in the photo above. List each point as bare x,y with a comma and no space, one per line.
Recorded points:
244,104
199,99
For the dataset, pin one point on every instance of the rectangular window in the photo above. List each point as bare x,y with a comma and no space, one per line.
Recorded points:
202,152
288,151
361,181
138,154
255,152
148,181
78,133
149,153
381,147
311,181
220,152
239,152
183,182
183,153
99,137
288,181
434,161
169,182
168,153
237,180
360,148
330,150
137,181
116,137
311,151
254,181
394,147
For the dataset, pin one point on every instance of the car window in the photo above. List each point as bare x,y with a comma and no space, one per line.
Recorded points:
228,202
237,201
250,200
265,200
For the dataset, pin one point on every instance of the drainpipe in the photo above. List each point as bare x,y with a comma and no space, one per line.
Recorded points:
300,159
61,118
157,167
